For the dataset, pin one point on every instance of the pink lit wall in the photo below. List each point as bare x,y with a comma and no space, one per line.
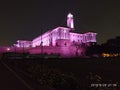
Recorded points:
49,38
90,37
63,51
63,43
75,37
23,43
83,38
5,49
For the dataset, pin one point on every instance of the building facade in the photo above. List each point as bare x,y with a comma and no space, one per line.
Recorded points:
61,40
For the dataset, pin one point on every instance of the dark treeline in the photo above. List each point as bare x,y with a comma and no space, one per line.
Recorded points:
111,46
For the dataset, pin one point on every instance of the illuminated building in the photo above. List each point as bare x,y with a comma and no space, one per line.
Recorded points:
23,43
61,40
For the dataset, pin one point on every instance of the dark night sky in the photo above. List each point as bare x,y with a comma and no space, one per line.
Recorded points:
25,19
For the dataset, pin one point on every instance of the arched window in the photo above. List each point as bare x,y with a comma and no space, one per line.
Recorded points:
56,44
65,44
73,41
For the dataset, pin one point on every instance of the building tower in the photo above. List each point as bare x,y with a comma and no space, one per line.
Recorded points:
70,21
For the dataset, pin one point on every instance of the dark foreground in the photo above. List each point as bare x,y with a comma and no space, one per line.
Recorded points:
9,81
66,74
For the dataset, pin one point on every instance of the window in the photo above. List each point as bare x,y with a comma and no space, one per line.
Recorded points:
65,43
73,41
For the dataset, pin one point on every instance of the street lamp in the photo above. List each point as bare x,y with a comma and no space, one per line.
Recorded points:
41,43
14,45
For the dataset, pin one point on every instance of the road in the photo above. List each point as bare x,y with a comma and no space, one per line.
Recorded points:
9,80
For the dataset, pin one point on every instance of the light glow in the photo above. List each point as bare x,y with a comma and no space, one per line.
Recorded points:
110,55
8,49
